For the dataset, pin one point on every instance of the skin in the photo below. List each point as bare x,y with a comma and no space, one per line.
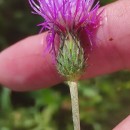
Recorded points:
124,125
24,67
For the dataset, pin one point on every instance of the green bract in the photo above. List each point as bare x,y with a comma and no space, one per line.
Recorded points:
70,58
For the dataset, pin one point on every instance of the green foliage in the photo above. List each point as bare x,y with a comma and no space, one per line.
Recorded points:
104,102
16,21
103,2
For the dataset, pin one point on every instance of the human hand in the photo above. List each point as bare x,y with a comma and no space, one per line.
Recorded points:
23,67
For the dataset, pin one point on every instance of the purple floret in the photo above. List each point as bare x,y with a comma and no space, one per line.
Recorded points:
66,16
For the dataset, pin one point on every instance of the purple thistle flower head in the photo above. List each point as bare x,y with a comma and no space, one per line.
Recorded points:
66,16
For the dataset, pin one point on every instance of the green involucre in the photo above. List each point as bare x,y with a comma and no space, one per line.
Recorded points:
70,58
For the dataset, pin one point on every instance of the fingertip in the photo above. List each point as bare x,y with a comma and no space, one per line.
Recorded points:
124,125
111,52
23,67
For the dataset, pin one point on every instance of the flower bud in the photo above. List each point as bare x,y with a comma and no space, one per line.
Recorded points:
70,58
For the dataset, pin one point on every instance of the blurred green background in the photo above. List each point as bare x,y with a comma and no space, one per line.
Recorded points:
104,101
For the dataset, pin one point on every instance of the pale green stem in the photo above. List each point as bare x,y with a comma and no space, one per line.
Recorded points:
75,104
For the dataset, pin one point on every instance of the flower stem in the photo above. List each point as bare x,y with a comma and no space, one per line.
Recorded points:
75,104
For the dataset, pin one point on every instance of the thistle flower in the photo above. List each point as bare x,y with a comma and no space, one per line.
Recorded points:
68,18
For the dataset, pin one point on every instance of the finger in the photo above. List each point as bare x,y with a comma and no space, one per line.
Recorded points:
22,66
124,125
113,48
